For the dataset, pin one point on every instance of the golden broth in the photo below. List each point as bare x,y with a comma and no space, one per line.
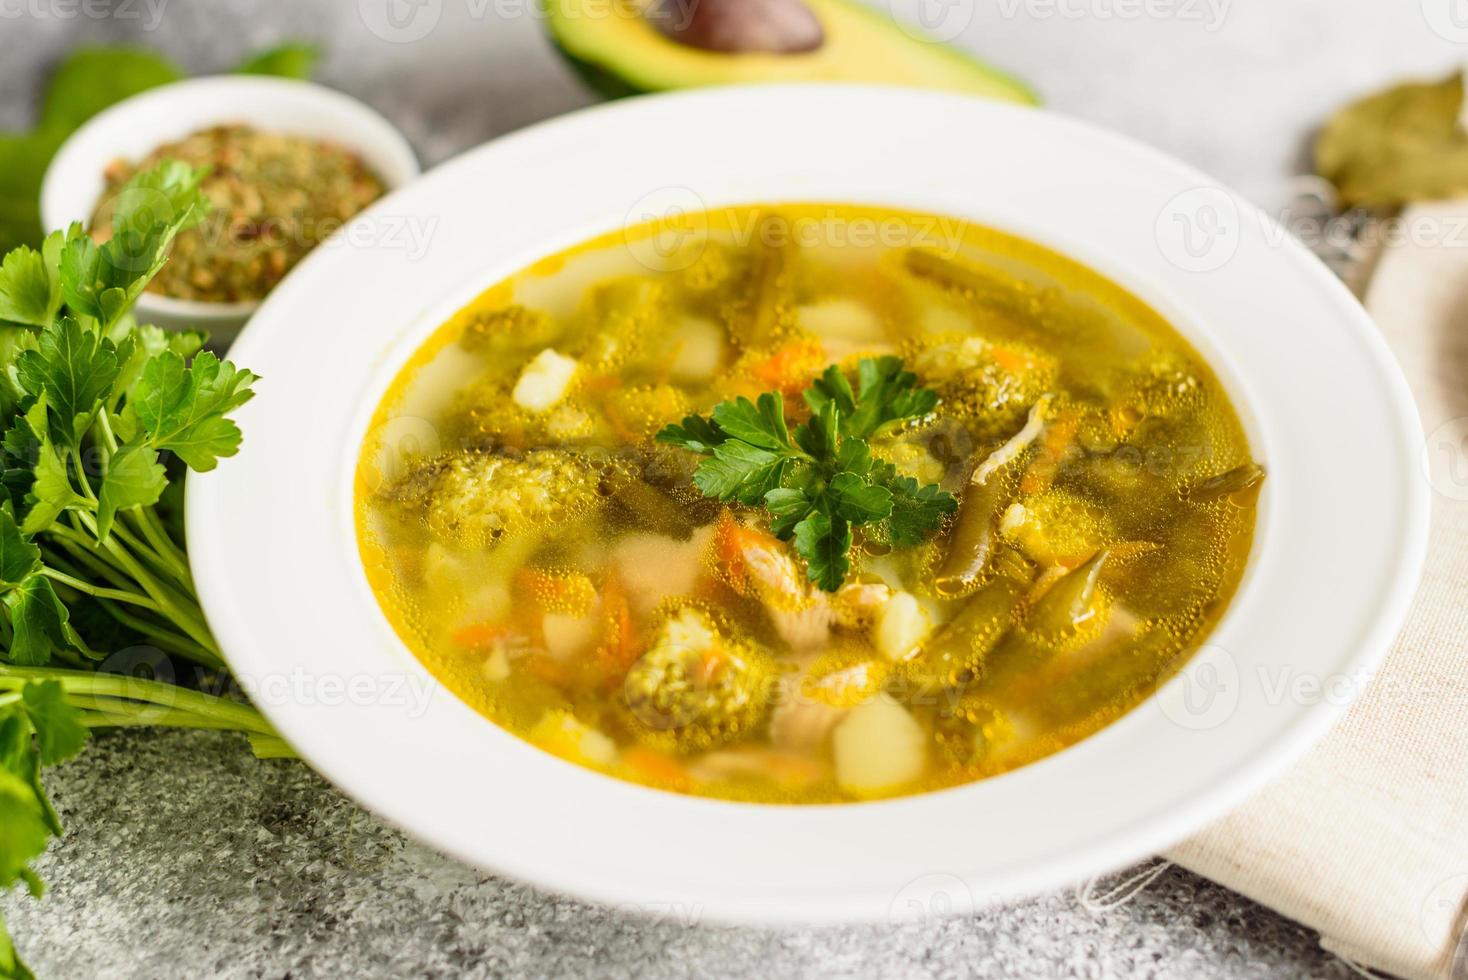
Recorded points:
557,569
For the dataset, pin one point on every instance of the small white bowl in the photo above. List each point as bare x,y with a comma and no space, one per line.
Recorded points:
135,127
1339,547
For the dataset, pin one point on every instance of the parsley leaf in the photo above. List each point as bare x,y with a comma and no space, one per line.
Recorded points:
19,558
73,367
696,434
140,345
820,436
759,424
821,481
831,386
887,394
296,59
37,729
916,511
739,471
24,829
824,542
51,493
93,78
103,281
787,507
858,501
134,478
184,408
38,619
17,452
60,733
26,293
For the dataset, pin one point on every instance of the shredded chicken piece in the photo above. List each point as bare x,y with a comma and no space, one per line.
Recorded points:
1017,444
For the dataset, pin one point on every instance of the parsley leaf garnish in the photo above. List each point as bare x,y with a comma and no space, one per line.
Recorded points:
916,511
885,394
820,482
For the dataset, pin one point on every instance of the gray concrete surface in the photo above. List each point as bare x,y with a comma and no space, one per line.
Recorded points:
186,857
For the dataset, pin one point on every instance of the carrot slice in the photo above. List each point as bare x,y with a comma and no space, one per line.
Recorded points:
1012,361
656,767
568,592
620,646
792,366
480,636
729,549
1054,445
554,672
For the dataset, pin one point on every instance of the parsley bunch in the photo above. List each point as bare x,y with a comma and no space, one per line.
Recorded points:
821,481
99,419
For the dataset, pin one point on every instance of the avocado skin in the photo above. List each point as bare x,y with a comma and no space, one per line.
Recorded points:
609,85
607,82
602,81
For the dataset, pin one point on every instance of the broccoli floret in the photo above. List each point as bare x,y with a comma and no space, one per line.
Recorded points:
624,317
473,498
639,412
697,688
988,384
1056,526
1164,385
486,414
511,328
710,270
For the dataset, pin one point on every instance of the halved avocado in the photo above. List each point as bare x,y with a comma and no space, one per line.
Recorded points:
619,50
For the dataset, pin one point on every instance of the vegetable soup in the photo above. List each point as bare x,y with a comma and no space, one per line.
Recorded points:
806,503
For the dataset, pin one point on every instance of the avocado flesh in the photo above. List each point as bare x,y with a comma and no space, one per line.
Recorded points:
619,53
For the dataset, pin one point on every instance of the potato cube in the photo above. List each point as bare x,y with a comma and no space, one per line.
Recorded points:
544,381
901,626
878,748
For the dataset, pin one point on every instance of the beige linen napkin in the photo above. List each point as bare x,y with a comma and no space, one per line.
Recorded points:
1366,840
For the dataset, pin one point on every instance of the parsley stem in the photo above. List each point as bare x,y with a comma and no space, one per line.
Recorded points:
187,617
104,424
80,553
142,693
86,551
97,592
145,552
152,529
162,637
155,718
108,599
67,656
86,485
271,747
104,716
